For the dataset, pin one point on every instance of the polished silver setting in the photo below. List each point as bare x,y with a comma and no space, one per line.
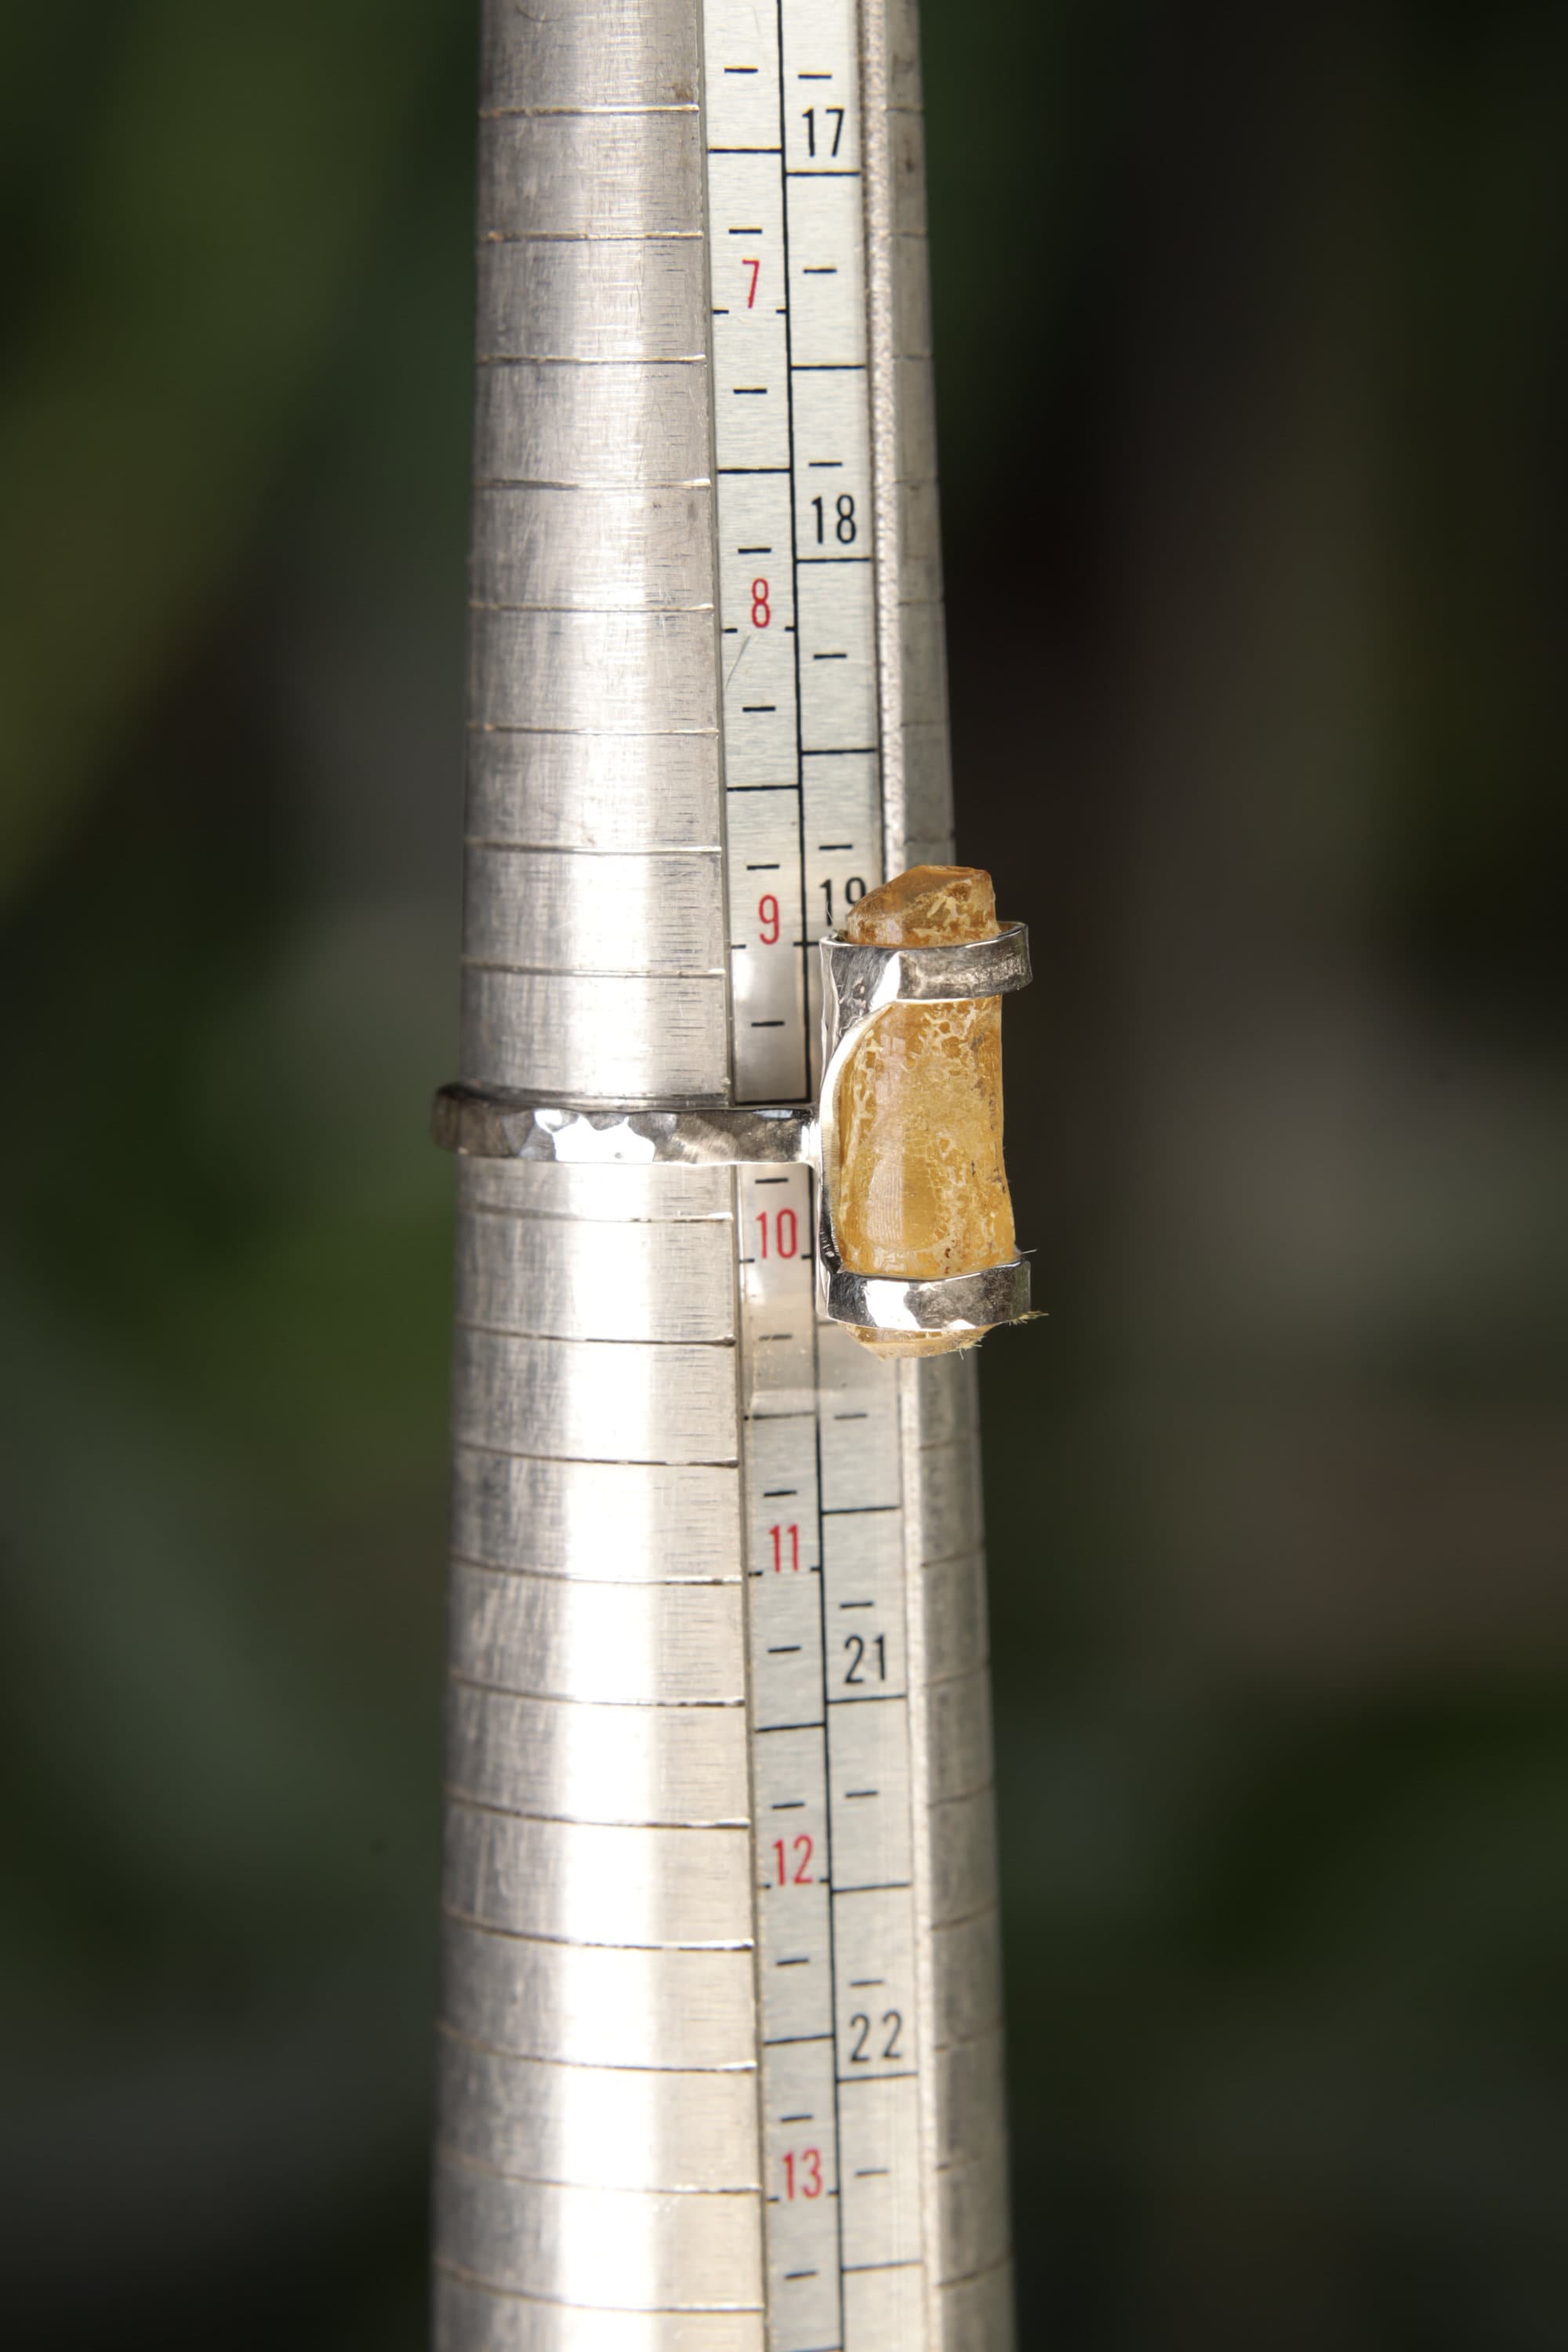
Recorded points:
860,983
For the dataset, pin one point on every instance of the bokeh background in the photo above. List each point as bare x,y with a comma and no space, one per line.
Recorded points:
1253,367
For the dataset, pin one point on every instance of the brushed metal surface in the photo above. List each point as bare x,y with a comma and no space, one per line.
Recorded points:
583,2005
644,1040
596,1194
572,1398
597,2126
966,1972
642,425
648,914
590,548
615,672
576,300
597,1281
615,2249
589,53
617,1521
975,2314
633,174
470,2317
575,1760
617,1645
582,1883
590,791
962,1759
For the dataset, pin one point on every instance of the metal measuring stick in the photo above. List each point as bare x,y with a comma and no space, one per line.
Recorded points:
720,2056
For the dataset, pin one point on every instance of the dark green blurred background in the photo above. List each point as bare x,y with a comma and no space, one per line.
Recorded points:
1253,366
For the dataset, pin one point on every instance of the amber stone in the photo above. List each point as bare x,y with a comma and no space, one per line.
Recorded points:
919,1188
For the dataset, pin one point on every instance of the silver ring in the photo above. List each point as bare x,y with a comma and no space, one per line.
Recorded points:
858,982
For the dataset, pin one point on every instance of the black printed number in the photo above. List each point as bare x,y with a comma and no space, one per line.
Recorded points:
860,2027
854,891
833,114
860,1652
843,520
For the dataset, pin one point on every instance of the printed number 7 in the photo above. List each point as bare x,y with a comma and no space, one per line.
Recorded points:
755,268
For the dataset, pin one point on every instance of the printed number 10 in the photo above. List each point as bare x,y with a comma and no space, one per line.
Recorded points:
786,1233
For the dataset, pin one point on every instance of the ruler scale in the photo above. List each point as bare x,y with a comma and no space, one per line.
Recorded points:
721,2058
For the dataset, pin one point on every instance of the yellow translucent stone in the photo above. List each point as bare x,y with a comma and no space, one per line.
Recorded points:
919,1188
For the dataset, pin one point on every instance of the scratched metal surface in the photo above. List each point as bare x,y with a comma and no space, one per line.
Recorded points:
599,2169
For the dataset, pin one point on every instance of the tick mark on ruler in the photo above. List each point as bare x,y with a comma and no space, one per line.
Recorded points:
862,1792
802,1961
752,232
789,1805
773,869
829,656
785,1649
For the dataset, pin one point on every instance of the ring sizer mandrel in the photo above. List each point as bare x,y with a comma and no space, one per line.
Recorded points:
916,1203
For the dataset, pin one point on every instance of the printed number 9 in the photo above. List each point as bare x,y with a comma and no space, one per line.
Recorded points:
768,917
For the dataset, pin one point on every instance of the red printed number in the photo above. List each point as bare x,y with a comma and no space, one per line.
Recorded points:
754,267
786,1233
761,612
768,916
778,1535
800,1848
802,2173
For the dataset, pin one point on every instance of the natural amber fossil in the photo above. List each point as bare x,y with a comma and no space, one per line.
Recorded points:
919,1188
